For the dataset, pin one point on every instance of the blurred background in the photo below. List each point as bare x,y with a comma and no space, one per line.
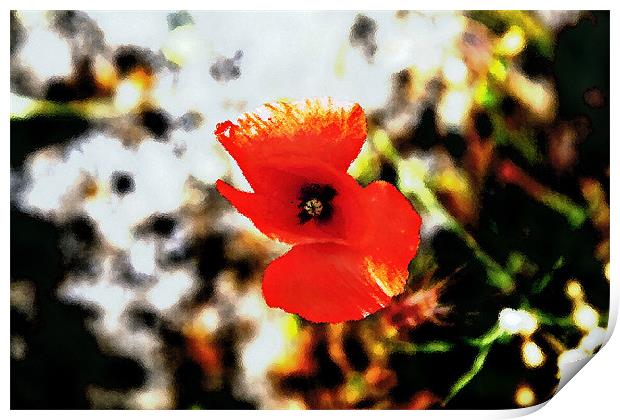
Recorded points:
135,285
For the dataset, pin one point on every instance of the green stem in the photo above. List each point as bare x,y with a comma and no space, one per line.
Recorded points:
467,377
484,343
431,347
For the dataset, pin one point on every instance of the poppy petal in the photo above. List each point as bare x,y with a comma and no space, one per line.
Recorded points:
393,234
318,129
332,282
323,283
274,207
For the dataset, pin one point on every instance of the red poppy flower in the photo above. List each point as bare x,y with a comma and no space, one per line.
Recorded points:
352,245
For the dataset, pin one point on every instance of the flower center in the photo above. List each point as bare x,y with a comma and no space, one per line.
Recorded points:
313,207
315,202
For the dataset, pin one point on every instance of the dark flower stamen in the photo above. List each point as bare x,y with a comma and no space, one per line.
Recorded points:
313,207
315,202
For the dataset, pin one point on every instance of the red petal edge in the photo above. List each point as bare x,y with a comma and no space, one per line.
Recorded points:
318,129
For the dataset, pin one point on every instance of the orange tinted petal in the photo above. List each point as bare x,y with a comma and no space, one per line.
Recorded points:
318,129
323,283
